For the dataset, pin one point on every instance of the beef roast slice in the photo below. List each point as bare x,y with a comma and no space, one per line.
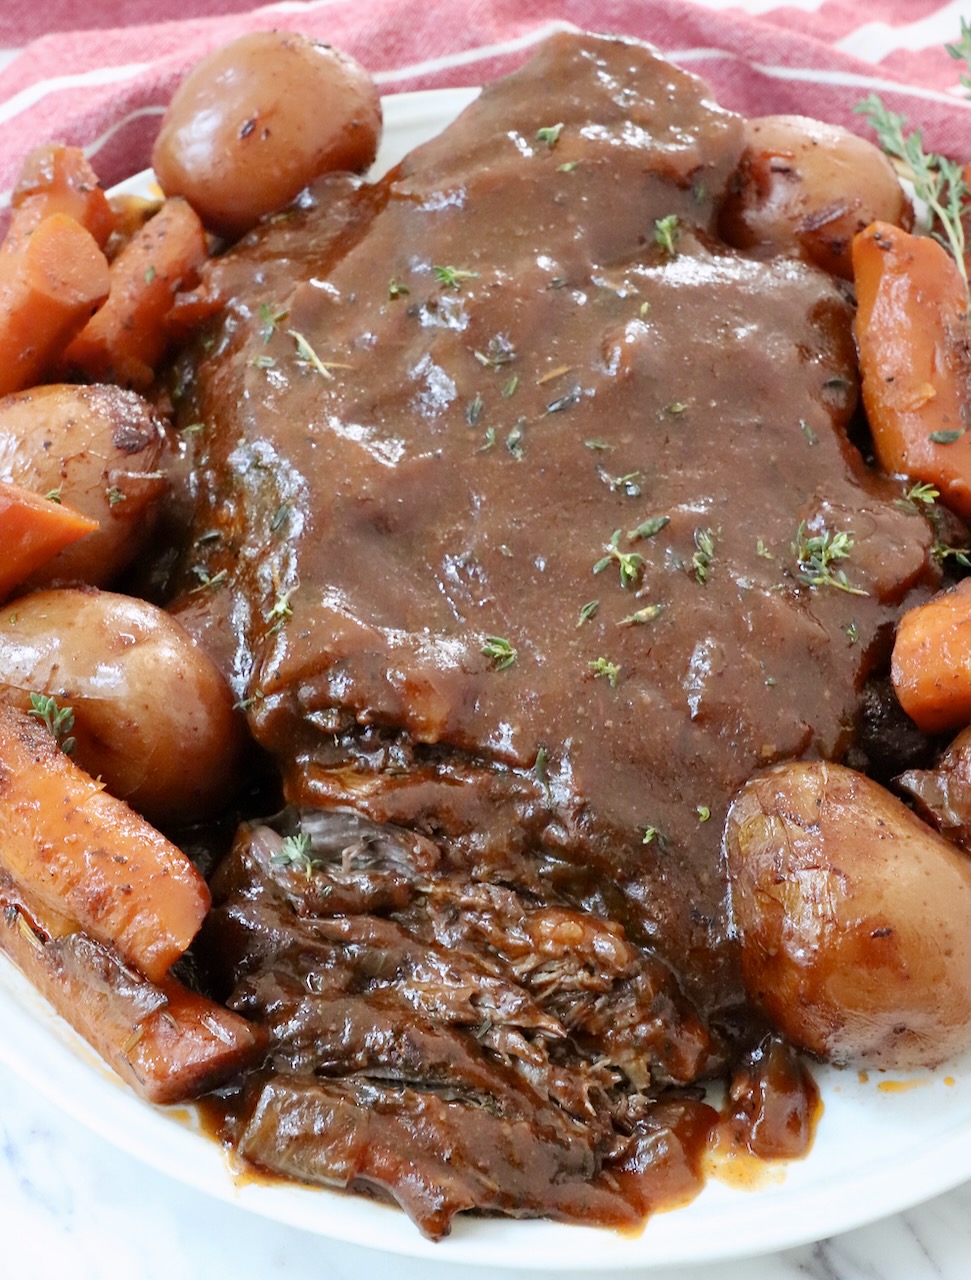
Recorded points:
506,471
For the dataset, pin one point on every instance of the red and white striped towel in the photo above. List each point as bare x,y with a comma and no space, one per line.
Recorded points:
106,89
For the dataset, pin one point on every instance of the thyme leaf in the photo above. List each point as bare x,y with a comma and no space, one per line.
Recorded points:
817,553
58,720
604,669
667,233
499,652
629,563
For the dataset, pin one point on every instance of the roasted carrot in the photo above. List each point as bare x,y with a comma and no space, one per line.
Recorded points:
126,339
49,289
32,530
912,335
931,664
88,856
58,179
168,1043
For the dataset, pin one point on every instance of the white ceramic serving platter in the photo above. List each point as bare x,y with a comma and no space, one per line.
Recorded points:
884,1143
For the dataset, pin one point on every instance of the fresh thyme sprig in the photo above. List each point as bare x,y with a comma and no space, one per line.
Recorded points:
500,652
937,181
294,854
816,554
629,563
604,669
961,51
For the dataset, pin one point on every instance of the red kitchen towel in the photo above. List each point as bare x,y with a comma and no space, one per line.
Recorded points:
106,89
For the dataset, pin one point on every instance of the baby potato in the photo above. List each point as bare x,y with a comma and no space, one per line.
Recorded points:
256,121
854,918
97,449
806,188
152,715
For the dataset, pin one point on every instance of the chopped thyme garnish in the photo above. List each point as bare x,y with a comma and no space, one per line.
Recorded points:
205,581
514,440
703,812
588,611
499,350
811,436
925,493
946,437
192,429
510,387
280,517
676,407
564,402
149,274
816,554
667,233
270,317
644,309
499,652
58,720
650,835
540,771
294,854
550,134
649,613
489,442
604,669
54,495
452,277
852,630
598,446
115,495
397,290
762,550
473,411
263,362
629,563
704,554
281,609
648,528
306,355
622,484
551,374
568,167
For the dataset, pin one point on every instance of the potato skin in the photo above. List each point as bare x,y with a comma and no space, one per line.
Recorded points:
806,188
257,120
153,716
854,918
99,447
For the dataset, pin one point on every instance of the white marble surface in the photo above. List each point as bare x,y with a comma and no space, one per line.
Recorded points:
72,1206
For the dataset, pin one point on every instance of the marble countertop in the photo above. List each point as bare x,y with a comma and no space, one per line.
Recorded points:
73,1206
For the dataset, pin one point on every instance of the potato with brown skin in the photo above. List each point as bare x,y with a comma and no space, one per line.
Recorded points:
257,120
853,918
96,448
153,718
806,188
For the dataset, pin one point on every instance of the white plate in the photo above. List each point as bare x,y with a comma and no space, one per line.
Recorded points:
882,1145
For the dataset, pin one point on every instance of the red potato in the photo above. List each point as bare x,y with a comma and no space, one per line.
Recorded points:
98,448
853,917
85,855
153,717
915,360
806,188
931,663
256,121
32,530
49,288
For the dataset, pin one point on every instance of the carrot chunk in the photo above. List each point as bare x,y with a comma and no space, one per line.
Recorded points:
86,855
126,339
58,179
167,1042
912,335
32,530
49,288
931,664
